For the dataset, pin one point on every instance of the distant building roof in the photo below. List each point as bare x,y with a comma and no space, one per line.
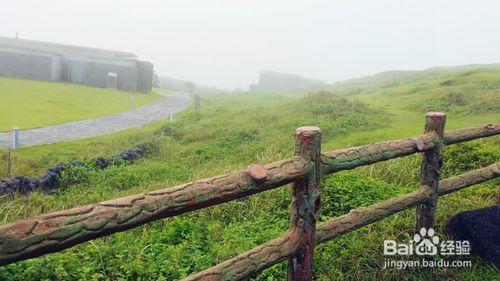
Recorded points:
288,75
55,48
273,80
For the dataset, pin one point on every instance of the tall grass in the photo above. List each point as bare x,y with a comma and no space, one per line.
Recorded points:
230,132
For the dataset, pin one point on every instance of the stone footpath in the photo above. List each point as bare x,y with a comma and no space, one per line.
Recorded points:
155,111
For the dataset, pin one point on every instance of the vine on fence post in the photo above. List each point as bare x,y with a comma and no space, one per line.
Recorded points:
430,170
306,202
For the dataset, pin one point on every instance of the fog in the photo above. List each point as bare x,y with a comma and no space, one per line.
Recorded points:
227,43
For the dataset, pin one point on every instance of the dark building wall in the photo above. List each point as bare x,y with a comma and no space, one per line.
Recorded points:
144,77
77,71
173,84
55,62
96,75
278,81
270,80
30,66
186,86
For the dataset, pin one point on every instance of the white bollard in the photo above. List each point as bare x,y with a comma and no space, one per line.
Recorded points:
15,145
15,138
171,117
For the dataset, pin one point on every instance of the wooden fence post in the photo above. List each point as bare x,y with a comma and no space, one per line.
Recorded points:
306,203
430,170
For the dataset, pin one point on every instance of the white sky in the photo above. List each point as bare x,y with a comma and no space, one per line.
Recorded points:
226,43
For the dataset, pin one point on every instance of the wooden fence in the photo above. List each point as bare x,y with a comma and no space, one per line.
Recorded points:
52,232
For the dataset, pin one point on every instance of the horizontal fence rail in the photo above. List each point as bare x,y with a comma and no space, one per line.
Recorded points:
350,158
463,135
233,269
364,216
52,232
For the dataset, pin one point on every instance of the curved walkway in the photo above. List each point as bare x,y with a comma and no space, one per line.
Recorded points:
155,111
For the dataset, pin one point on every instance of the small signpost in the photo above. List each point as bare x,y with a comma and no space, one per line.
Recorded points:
15,145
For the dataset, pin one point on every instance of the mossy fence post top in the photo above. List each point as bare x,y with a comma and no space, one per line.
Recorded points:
308,142
308,129
435,121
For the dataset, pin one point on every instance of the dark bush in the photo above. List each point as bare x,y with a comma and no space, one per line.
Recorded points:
451,82
51,180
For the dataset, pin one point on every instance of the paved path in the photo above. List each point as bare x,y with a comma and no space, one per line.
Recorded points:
157,110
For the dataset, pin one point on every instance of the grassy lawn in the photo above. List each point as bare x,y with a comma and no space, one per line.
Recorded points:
29,104
472,99
232,131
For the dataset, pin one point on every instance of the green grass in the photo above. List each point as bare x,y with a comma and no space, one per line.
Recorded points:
407,103
29,104
229,133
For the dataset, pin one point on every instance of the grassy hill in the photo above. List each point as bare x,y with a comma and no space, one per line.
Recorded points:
395,77
467,94
232,131
29,104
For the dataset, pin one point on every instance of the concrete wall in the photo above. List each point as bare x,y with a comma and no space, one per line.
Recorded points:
45,61
271,80
145,76
56,68
173,84
278,81
26,65
96,75
77,71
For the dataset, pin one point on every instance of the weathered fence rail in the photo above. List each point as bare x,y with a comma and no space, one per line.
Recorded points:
279,249
52,232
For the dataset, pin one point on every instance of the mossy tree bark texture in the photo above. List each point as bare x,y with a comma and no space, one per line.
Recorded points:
430,170
306,203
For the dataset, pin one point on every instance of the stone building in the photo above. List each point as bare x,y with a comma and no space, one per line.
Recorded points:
175,84
38,60
274,81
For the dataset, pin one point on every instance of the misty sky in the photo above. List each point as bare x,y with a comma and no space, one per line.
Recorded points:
227,43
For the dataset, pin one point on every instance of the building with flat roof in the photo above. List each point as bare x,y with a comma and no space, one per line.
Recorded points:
46,61
185,86
275,81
